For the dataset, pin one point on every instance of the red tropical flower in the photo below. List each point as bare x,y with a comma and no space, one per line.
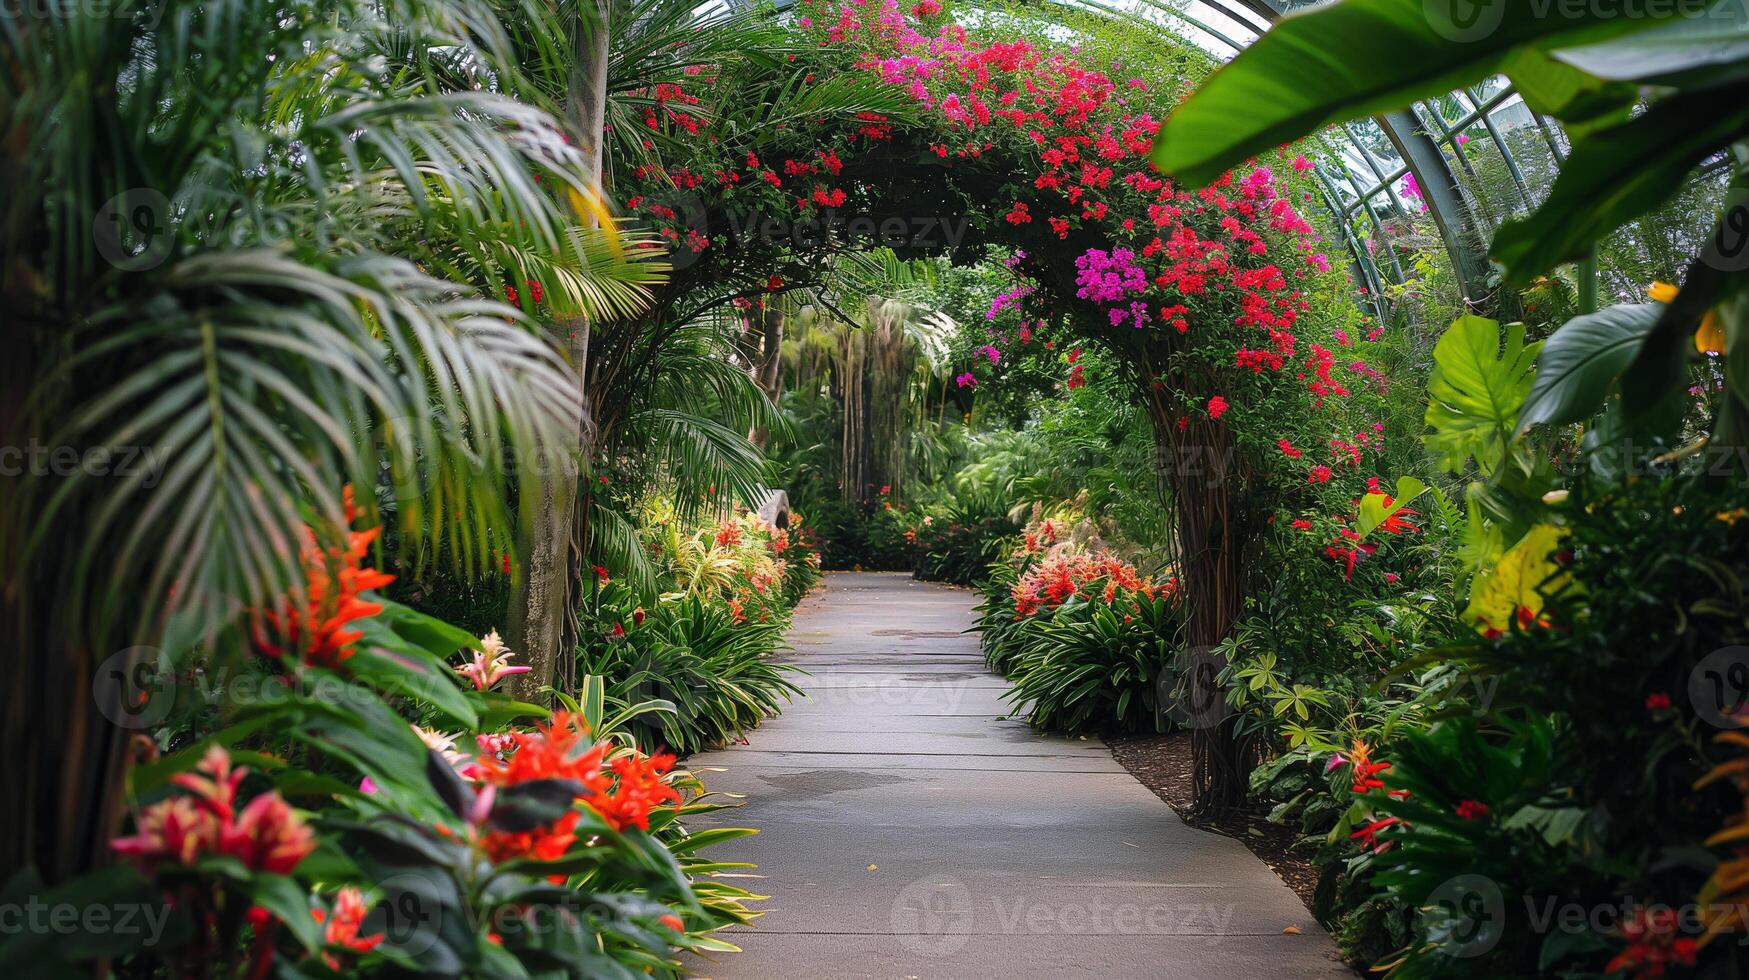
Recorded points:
266,836
342,927
1654,945
312,627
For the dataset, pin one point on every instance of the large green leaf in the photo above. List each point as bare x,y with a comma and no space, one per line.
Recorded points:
1375,511
1481,376
1709,50
1617,174
1580,362
1357,58
1556,88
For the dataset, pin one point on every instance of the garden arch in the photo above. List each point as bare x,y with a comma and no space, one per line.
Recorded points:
1021,147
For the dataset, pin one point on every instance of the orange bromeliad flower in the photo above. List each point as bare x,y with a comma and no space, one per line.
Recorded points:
342,928
1055,581
313,626
622,791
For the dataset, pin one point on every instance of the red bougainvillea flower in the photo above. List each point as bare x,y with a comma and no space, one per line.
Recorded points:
312,627
1369,834
1657,701
266,836
341,928
1473,810
1288,450
1655,944
1217,407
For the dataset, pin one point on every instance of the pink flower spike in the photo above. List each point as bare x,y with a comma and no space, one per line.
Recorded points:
490,664
481,808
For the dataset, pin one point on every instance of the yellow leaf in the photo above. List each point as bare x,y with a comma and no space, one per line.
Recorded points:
1514,586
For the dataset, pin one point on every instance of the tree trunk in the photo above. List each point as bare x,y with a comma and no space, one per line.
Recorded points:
541,621
65,731
1205,479
768,369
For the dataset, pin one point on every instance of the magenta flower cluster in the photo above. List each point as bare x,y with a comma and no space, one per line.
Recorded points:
1109,277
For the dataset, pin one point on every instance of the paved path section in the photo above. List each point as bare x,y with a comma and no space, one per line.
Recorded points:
906,831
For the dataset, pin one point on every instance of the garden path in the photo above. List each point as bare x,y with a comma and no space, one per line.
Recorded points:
907,830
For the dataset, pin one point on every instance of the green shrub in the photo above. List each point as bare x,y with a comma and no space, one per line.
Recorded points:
1097,666
713,667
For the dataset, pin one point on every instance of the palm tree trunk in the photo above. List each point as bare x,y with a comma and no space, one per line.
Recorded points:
541,621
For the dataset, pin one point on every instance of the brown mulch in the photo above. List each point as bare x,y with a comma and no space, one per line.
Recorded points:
1162,763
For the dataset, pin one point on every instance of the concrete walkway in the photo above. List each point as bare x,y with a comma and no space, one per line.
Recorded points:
906,832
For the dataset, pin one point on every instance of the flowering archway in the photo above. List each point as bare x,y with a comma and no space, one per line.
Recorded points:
1218,302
